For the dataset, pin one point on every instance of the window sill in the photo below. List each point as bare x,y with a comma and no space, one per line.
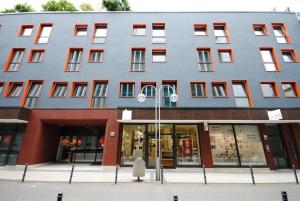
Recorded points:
220,96
199,96
77,96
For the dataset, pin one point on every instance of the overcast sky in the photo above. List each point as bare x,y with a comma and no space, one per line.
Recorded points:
181,5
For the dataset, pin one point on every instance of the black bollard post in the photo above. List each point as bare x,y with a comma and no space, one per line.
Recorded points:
284,196
71,175
24,173
116,176
295,173
60,196
252,175
204,174
175,198
162,174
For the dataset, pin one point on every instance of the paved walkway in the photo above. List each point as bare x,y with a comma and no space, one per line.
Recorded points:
106,174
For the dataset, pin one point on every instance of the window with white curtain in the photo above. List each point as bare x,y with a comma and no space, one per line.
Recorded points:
74,60
220,34
268,59
79,90
16,60
158,55
138,60
139,30
205,63
45,31
99,94
219,90
59,89
158,33
198,89
279,34
100,33
33,94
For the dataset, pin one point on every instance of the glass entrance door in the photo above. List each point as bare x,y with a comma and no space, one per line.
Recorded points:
167,151
278,151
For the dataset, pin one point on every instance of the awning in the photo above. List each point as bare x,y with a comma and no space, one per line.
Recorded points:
16,121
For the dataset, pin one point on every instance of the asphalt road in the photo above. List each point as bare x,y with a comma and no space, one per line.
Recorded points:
37,191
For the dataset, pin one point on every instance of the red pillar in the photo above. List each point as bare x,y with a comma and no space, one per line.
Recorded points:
266,144
205,148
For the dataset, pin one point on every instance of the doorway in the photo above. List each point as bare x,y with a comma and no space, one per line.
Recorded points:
278,150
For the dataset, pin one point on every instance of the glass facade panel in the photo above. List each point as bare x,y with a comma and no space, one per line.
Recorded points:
223,146
251,151
132,143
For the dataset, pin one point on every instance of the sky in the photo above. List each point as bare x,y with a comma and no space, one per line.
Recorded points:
181,5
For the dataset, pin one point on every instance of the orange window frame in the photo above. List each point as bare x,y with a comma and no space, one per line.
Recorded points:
226,88
127,82
159,51
210,56
205,87
199,26
286,34
266,31
1,85
27,89
95,50
275,87
225,29
31,54
76,26
248,91
23,27
294,53
139,26
68,57
93,88
9,85
95,28
230,53
11,54
38,33
271,49
53,88
295,88
74,83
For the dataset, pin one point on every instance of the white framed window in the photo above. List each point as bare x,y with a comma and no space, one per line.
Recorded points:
127,89
138,60
198,89
204,60
99,94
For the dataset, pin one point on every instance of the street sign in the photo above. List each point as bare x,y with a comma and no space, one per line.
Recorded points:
275,115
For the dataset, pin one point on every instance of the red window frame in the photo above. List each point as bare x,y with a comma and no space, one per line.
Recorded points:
93,88
27,89
205,87
210,56
76,26
100,25
9,85
264,26
293,52
295,89
96,50
277,65
225,29
226,88
29,59
74,83
23,27
200,26
159,51
286,34
230,53
139,26
148,83
68,57
248,91
275,87
8,61
54,83
37,36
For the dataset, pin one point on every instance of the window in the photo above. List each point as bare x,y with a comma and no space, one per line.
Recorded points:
158,55
15,58
221,34
158,33
100,33
260,29
127,89
225,55
139,29
200,29
74,59
99,94
205,60
198,89
220,89
269,89
168,90
138,60
79,89
96,56
14,89
1,87
269,59
289,56
80,30
33,94
44,33
280,33
290,89
148,89
59,89
240,93
26,30
36,56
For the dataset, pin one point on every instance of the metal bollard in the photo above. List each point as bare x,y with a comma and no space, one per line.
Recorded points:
284,196
60,196
204,174
24,173
175,198
116,176
71,175
295,173
252,175
162,174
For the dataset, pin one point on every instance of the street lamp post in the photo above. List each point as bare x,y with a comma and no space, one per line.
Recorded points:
142,98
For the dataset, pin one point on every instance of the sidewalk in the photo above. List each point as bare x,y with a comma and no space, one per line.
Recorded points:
106,174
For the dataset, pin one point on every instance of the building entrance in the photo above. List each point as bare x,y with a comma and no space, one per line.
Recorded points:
81,145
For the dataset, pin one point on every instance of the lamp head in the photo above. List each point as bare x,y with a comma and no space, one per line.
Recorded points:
141,98
174,98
